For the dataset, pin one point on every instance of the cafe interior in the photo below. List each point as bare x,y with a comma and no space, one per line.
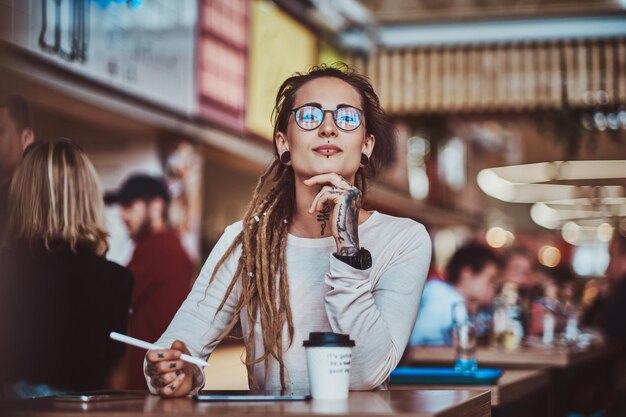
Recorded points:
510,121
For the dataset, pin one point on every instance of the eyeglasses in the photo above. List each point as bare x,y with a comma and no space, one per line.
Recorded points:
310,117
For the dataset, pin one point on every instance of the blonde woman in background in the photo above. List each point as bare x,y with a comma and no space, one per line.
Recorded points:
307,257
59,296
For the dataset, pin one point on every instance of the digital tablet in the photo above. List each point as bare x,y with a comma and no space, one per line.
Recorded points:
96,396
444,376
212,395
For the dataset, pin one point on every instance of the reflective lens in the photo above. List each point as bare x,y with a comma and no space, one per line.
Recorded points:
347,118
310,117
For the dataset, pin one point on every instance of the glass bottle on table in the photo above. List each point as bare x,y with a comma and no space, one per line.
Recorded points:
549,323
464,338
499,321
513,329
571,327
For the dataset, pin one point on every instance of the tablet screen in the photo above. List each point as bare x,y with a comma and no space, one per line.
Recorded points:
211,395
95,396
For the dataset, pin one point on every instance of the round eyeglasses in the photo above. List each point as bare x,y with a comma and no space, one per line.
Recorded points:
310,117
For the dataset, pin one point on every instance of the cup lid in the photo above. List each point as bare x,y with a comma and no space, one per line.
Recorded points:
318,339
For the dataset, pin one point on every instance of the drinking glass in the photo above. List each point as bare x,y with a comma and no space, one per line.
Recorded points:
464,338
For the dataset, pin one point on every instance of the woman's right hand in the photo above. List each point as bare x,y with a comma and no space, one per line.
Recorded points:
169,375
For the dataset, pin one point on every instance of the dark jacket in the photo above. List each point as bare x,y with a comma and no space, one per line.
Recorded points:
56,312
4,207
614,318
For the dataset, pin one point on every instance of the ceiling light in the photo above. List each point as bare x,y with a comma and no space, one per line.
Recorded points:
510,237
497,237
495,186
605,232
562,170
549,256
571,232
545,216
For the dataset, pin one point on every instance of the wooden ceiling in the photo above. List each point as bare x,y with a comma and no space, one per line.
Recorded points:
431,11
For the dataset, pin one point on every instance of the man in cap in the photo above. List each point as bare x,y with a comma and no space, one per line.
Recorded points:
162,269
16,133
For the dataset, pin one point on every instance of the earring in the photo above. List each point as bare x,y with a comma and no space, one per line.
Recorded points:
285,157
365,159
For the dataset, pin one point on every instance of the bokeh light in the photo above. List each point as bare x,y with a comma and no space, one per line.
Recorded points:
549,256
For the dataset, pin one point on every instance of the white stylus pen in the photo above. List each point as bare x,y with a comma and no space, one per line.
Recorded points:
149,346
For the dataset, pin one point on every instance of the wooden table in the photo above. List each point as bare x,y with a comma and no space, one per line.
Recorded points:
517,393
580,379
525,357
418,403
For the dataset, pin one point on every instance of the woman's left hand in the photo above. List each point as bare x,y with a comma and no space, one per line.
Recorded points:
344,221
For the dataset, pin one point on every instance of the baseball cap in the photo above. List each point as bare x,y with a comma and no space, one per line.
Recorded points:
138,186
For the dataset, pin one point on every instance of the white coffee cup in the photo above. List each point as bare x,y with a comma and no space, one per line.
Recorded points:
328,357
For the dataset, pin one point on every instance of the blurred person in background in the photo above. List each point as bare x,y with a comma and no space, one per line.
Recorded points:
613,315
307,257
59,297
595,293
16,133
519,270
162,269
471,277
613,322
558,297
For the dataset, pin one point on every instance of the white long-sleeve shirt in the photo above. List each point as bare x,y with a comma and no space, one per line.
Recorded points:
377,307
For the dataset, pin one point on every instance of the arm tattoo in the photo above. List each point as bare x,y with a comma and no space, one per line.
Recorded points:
323,216
348,226
347,251
340,228
352,217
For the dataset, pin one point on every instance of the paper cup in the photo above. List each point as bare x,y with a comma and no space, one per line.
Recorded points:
328,357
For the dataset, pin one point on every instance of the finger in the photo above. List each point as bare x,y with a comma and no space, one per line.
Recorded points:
328,178
163,355
333,197
151,369
317,197
169,366
173,387
162,380
180,345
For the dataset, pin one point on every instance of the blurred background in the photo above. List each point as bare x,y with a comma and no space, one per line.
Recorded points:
511,115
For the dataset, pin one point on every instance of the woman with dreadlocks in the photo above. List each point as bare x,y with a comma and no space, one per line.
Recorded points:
307,257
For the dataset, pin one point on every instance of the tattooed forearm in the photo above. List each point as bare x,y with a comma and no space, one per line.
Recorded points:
352,218
323,216
348,223
347,251
341,228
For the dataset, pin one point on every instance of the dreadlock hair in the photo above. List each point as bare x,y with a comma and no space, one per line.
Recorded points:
262,269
